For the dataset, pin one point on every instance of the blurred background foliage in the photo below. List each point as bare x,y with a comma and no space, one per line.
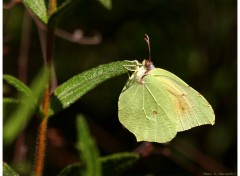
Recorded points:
194,39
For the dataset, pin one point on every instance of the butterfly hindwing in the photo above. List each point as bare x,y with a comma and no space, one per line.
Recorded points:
146,109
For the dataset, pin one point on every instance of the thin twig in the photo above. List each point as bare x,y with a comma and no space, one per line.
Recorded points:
185,155
10,4
204,161
42,38
189,157
77,36
24,47
20,147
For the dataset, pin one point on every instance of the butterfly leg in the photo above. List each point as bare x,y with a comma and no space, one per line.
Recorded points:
132,66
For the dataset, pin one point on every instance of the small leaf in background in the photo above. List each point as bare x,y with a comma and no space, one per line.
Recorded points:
88,149
23,167
111,165
19,119
118,163
9,105
19,85
71,90
38,7
62,9
106,3
72,170
8,171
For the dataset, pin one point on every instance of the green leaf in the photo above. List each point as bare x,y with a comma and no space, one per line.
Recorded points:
8,171
19,85
118,163
73,169
23,167
111,164
70,91
106,3
88,150
10,101
20,117
62,9
9,105
39,8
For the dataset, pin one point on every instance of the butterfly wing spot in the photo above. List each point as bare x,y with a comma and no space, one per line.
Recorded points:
182,105
155,113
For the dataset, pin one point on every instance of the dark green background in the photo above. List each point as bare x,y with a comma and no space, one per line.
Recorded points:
194,39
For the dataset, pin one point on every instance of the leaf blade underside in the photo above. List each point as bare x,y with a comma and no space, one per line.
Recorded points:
77,86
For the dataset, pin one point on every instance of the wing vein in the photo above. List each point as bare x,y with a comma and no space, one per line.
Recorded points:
158,105
183,98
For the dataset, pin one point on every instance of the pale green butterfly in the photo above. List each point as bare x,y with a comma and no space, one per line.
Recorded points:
155,104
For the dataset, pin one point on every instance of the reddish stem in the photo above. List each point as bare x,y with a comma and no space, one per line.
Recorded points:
41,145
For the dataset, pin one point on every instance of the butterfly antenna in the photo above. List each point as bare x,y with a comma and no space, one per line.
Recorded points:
148,43
148,62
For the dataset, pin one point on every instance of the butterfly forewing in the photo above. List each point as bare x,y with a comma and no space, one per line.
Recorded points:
192,108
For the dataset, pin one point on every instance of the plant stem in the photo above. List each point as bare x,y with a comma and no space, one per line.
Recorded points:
24,48
48,61
52,7
41,148
50,36
41,145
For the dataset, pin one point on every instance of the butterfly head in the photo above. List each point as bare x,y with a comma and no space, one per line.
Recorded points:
148,64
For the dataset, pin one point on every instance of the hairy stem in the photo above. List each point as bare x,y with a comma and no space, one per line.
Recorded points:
41,144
